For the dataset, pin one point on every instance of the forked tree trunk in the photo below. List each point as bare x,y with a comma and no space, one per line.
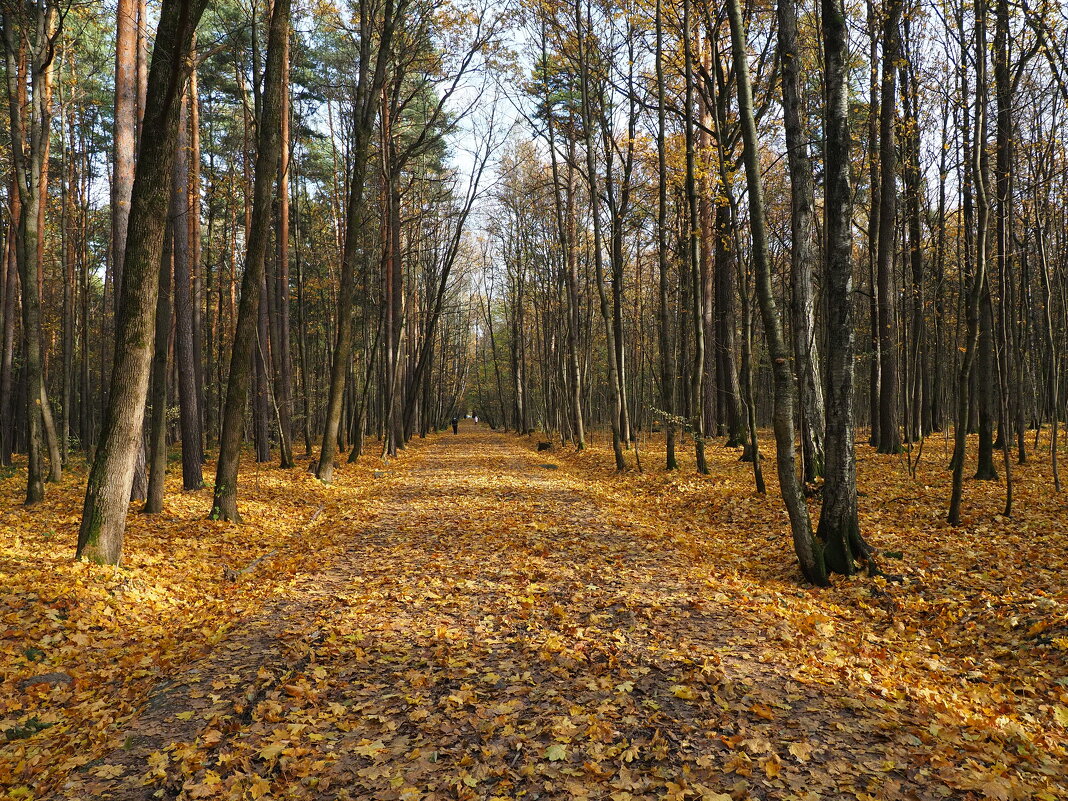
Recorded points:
31,30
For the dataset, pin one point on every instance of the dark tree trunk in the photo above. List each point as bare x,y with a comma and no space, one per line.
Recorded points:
157,394
803,251
808,550
268,157
978,278
889,425
839,526
692,252
667,352
189,417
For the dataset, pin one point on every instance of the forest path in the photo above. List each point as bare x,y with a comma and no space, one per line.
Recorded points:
500,631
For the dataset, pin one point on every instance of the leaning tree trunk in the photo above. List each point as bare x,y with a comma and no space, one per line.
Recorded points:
809,553
369,83
803,254
268,158
107,496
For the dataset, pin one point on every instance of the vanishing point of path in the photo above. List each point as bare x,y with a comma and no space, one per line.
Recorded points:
500,631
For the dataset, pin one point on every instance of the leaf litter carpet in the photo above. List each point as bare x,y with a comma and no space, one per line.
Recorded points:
481,621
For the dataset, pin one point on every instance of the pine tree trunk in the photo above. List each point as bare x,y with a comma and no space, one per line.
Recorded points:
157,394
370,80
189,416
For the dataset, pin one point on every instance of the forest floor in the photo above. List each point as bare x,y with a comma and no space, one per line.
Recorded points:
478,620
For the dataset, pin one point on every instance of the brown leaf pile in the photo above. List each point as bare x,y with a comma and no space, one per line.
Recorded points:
470,624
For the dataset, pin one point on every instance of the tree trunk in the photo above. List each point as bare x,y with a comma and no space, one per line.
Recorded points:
889,425
839,526
280,346
108,492
978,278
36,33
268,157
157,397
809,552
369,83
189,417
693,256
598,255
803,251
667,352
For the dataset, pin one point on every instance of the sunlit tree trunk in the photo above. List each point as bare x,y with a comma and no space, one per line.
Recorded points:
33,30
370,80
108,492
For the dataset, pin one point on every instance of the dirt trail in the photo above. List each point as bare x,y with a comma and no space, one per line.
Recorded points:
499,632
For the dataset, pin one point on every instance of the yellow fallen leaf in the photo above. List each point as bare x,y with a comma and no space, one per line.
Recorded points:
1060,714
801,751
555,752
272,750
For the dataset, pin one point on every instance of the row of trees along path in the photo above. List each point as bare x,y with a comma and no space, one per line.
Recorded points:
275,222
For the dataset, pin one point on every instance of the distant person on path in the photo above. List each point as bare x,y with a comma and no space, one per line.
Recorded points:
455,425
476,418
